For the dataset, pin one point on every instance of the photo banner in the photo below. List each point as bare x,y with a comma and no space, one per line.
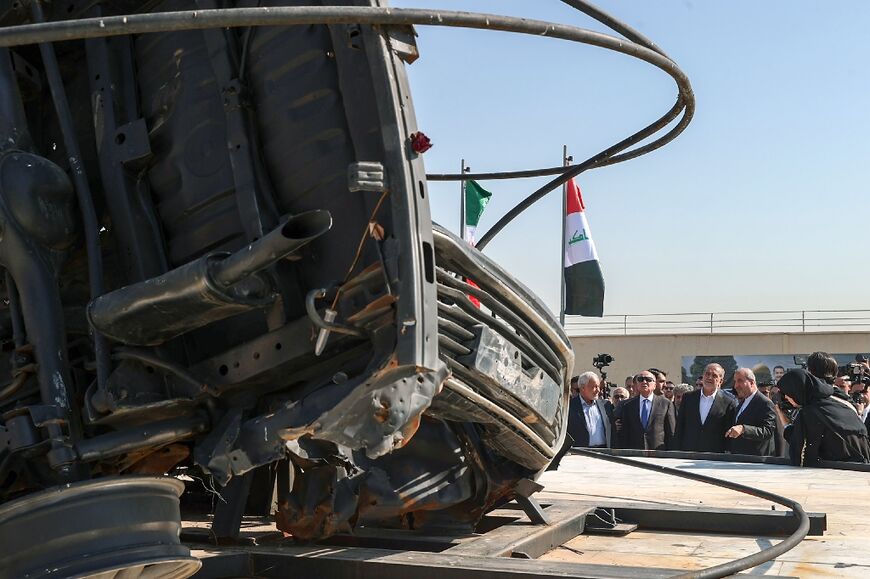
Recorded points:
767,367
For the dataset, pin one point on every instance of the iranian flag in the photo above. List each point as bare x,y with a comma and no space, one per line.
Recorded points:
584,283
476,198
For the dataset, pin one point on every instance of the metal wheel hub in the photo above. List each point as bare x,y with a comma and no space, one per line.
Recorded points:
108,528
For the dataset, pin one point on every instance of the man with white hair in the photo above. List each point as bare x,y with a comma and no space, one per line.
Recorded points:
755,420
590,417
619,395
681,390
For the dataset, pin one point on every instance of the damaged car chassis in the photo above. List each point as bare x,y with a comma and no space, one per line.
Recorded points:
220,267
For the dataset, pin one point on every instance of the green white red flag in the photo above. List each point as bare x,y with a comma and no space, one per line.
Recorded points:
476,198
584,282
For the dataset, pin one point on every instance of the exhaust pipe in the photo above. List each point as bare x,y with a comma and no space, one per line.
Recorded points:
211,288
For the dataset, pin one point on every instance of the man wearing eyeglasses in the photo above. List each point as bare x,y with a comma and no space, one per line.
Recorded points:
668,391
619,395
706,414
648,421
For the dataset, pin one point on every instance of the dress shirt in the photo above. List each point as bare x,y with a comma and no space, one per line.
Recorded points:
706,403
594,424
640,406
865,413
745,404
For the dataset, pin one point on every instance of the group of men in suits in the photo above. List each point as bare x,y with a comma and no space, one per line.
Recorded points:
708,419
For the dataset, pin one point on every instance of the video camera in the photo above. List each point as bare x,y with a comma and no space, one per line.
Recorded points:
858,373
601,361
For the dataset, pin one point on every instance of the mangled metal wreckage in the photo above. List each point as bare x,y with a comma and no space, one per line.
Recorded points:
219,261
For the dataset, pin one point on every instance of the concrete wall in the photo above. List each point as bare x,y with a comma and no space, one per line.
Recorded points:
635,353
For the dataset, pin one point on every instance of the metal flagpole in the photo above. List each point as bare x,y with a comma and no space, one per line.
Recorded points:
566,160
462,170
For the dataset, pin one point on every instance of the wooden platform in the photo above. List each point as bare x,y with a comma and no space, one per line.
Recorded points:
843,551
838,546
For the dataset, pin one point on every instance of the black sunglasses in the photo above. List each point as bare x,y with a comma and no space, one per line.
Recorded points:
644,379
619,396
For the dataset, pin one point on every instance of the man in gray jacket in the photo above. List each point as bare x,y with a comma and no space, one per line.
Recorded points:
647,421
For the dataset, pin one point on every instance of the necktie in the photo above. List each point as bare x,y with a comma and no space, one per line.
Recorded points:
644,413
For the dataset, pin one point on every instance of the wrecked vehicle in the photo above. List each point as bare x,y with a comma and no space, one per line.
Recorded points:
220,263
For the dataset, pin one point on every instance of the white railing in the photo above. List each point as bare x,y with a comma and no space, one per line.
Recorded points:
775,321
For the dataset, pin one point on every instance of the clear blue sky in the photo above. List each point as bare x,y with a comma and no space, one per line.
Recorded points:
757,205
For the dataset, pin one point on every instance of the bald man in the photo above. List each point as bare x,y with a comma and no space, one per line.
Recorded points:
755,421
647,420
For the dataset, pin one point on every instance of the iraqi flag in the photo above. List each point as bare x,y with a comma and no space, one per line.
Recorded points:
584,283
476,198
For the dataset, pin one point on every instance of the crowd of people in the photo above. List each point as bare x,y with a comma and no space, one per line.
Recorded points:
809,415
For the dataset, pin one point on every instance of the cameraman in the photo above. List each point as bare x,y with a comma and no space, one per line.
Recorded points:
823,366
844,382
826,426
861,399
866,415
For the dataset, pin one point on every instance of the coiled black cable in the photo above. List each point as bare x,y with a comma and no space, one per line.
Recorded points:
732,567
636,45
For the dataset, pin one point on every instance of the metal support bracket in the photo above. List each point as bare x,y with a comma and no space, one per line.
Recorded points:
366,176
228,512
603,521
532,508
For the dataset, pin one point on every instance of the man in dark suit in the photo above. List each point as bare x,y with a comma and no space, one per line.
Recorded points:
647,421
590,417
705,415
865,407
755,420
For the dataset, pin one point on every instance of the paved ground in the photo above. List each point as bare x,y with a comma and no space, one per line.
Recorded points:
843,551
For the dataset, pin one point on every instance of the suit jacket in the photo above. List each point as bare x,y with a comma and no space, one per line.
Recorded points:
577,421
759,428
659,432
710,436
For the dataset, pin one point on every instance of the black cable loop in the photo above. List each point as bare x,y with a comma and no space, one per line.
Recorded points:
737,565
615,25
574,170
636,46
685,103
